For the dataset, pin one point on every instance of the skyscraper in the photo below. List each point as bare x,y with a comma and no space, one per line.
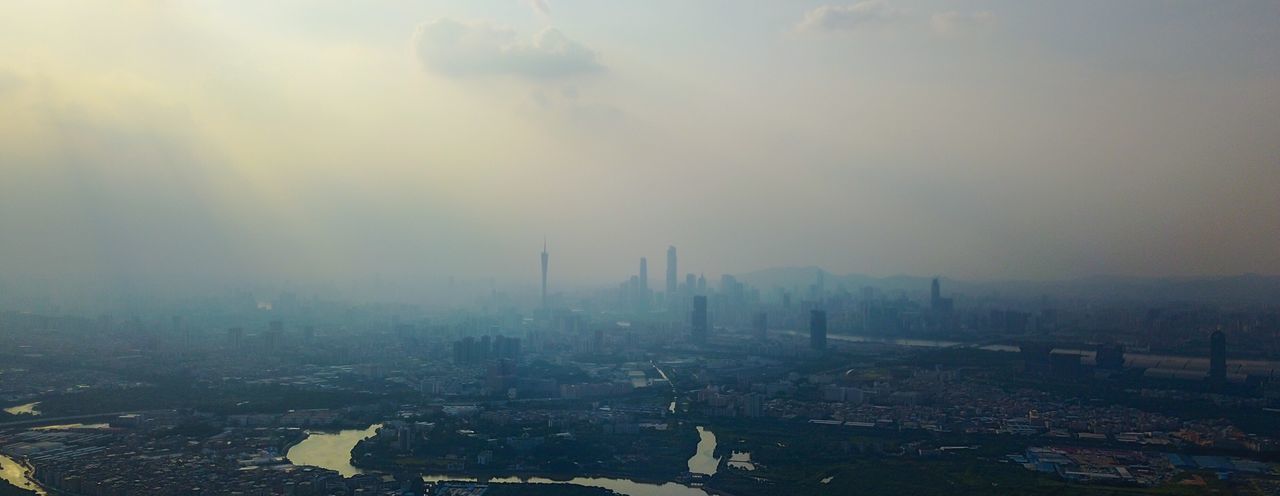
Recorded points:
544,274
644,277
818,329
671,273
939,305
1217,359
699,319
642,289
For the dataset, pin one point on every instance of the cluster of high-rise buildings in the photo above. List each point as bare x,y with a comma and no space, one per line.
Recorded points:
676,297
733,301
472,350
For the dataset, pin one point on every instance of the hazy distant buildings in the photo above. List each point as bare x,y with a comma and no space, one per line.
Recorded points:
760,325
644,277
470,350
235,338
275,335
819,287
940,309
1217,359
1110,356
642,294
544,275
818,329
699,324
671,273
938,304
733,294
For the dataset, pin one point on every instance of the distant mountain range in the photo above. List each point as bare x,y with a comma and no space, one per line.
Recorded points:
1248,289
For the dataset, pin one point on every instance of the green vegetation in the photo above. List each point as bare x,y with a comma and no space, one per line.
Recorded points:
247,399
951,475
796,458
537,450
7,489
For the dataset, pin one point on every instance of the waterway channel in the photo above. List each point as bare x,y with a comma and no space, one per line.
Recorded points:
1140,360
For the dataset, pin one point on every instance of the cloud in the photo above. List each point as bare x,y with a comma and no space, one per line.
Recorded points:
868,13
461,49
960,22
847,17
539,6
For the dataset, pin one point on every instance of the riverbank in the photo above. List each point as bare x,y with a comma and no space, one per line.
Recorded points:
619,482
526,475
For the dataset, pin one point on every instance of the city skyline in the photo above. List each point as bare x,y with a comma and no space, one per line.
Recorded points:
403,248
981,142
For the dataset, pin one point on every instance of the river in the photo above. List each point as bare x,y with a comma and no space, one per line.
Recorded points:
1142,360
24,409
704,460
14,473
620,486
332,450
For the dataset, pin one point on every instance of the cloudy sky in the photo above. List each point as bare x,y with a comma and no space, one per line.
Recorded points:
312,140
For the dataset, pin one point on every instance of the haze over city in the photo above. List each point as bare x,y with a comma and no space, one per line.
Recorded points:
328,142
639,248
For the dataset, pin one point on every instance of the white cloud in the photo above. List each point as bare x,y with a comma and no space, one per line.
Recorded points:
481,49
869,13
960,22
539,6
847,17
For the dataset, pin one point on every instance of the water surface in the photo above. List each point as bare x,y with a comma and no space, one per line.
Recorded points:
14,473
741,460
68,427
24,409
704,460
330,450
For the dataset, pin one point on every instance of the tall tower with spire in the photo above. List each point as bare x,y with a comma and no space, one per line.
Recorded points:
544,274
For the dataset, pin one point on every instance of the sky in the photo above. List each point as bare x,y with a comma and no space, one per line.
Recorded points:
334,140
